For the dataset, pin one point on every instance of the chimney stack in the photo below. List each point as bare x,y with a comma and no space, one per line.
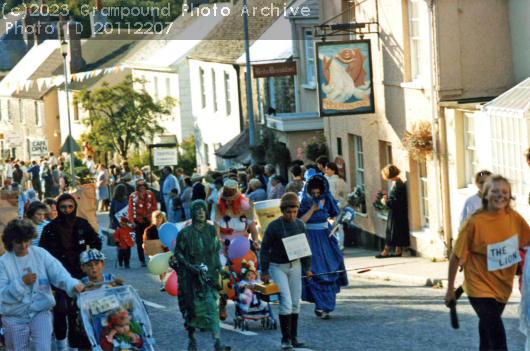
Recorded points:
28,25
44,28
98,19
190,5
71,32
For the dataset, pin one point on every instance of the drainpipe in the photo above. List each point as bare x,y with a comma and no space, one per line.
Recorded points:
295,58
445,179
434,121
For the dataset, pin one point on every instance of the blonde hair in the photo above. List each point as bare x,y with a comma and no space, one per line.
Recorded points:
157,214
389,172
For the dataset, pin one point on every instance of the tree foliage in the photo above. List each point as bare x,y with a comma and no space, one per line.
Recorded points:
120,116
188,158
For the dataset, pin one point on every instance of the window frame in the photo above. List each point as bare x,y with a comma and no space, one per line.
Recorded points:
214,88
206,149
9,111
38,116
272,95
168,87
415,51
508,144
310,74
423,193
21,111
202,82
228,94
470,152
359,161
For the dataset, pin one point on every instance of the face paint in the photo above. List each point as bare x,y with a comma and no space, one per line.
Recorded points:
67,206
201,215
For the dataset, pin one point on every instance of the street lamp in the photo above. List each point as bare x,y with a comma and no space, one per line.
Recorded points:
64,52
250,106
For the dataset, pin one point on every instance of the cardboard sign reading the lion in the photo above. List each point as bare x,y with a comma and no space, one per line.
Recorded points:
85,196
344,73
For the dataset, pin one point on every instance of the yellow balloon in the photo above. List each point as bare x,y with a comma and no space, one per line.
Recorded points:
159,264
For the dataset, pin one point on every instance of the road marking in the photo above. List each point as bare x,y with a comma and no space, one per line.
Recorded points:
152,304
229,327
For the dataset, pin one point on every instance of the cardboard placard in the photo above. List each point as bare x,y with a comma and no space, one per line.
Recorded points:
85,196
153,247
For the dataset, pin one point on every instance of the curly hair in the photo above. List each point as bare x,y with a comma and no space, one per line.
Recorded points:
316,183
18,231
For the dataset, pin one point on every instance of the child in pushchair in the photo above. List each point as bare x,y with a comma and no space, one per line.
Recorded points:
247,297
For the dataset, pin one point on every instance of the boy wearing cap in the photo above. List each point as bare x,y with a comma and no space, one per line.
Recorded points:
123,239
92,263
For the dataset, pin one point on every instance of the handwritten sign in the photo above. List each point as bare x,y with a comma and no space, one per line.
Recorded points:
122,213
296,246
504,254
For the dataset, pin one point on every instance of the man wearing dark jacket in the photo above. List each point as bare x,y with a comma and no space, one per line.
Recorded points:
198,192
65,238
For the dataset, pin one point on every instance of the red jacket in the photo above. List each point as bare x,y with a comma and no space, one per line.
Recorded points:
123,235
141,204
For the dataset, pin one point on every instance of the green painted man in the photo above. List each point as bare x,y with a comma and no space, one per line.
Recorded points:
198,268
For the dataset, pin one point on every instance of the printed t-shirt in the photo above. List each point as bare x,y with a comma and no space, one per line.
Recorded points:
489,246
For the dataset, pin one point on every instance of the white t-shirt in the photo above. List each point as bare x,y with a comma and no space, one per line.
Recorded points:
9,170
471,205
90,165
53,160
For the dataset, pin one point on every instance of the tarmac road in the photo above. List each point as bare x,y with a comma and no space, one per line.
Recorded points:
370,315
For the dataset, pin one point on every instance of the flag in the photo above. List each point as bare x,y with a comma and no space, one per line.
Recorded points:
98,72
40,82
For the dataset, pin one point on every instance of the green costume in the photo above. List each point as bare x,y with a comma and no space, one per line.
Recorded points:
199,265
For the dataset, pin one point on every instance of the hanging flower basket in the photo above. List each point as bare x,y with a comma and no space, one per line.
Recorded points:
418,141
378,205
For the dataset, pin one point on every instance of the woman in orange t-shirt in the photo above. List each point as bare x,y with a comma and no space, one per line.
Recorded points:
488,244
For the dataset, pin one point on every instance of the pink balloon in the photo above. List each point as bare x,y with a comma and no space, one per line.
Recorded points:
172,287
245,204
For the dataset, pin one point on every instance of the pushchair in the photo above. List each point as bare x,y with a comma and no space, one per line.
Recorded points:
265,317
94,306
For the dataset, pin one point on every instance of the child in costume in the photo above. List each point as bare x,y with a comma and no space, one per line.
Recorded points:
123,239
247,297
92,264
120,332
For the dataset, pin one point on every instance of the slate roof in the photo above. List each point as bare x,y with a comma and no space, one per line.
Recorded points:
104,51
311,4
225,43
12,44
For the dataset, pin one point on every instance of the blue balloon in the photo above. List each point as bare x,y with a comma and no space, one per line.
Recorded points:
167,233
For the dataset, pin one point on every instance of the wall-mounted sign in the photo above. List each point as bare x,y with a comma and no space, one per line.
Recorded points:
38,148
14,138
345,78
165,157
268,70
341,165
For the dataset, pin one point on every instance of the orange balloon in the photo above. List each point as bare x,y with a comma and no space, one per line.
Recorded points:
237,263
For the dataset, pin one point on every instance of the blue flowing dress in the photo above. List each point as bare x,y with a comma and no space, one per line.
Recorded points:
326,255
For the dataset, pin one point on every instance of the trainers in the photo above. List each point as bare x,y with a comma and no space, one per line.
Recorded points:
318,312
325,315
162,288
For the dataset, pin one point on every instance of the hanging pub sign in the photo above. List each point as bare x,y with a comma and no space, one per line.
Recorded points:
345,78
269,70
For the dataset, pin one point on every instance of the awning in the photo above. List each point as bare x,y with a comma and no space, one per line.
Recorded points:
513,103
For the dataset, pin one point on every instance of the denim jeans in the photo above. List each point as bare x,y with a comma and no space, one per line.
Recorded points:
289,277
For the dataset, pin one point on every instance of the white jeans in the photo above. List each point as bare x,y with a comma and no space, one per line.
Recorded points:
39,330
289,277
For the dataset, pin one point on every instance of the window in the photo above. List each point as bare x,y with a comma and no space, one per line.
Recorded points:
424,193
168,87
214,87
385,158
220,161
228,95
203,88
508,140
359,162
38,118
206,154
76,112
309,57
471,164
143,83
9,115
339,146
21,111
415,39
272,97
155,82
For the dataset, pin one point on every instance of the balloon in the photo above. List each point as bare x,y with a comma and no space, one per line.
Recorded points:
237,263
172,286
223,260
159,263
167,233
245,204
238,247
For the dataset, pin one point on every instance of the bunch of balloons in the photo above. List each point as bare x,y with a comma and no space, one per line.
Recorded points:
238,251
159,264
